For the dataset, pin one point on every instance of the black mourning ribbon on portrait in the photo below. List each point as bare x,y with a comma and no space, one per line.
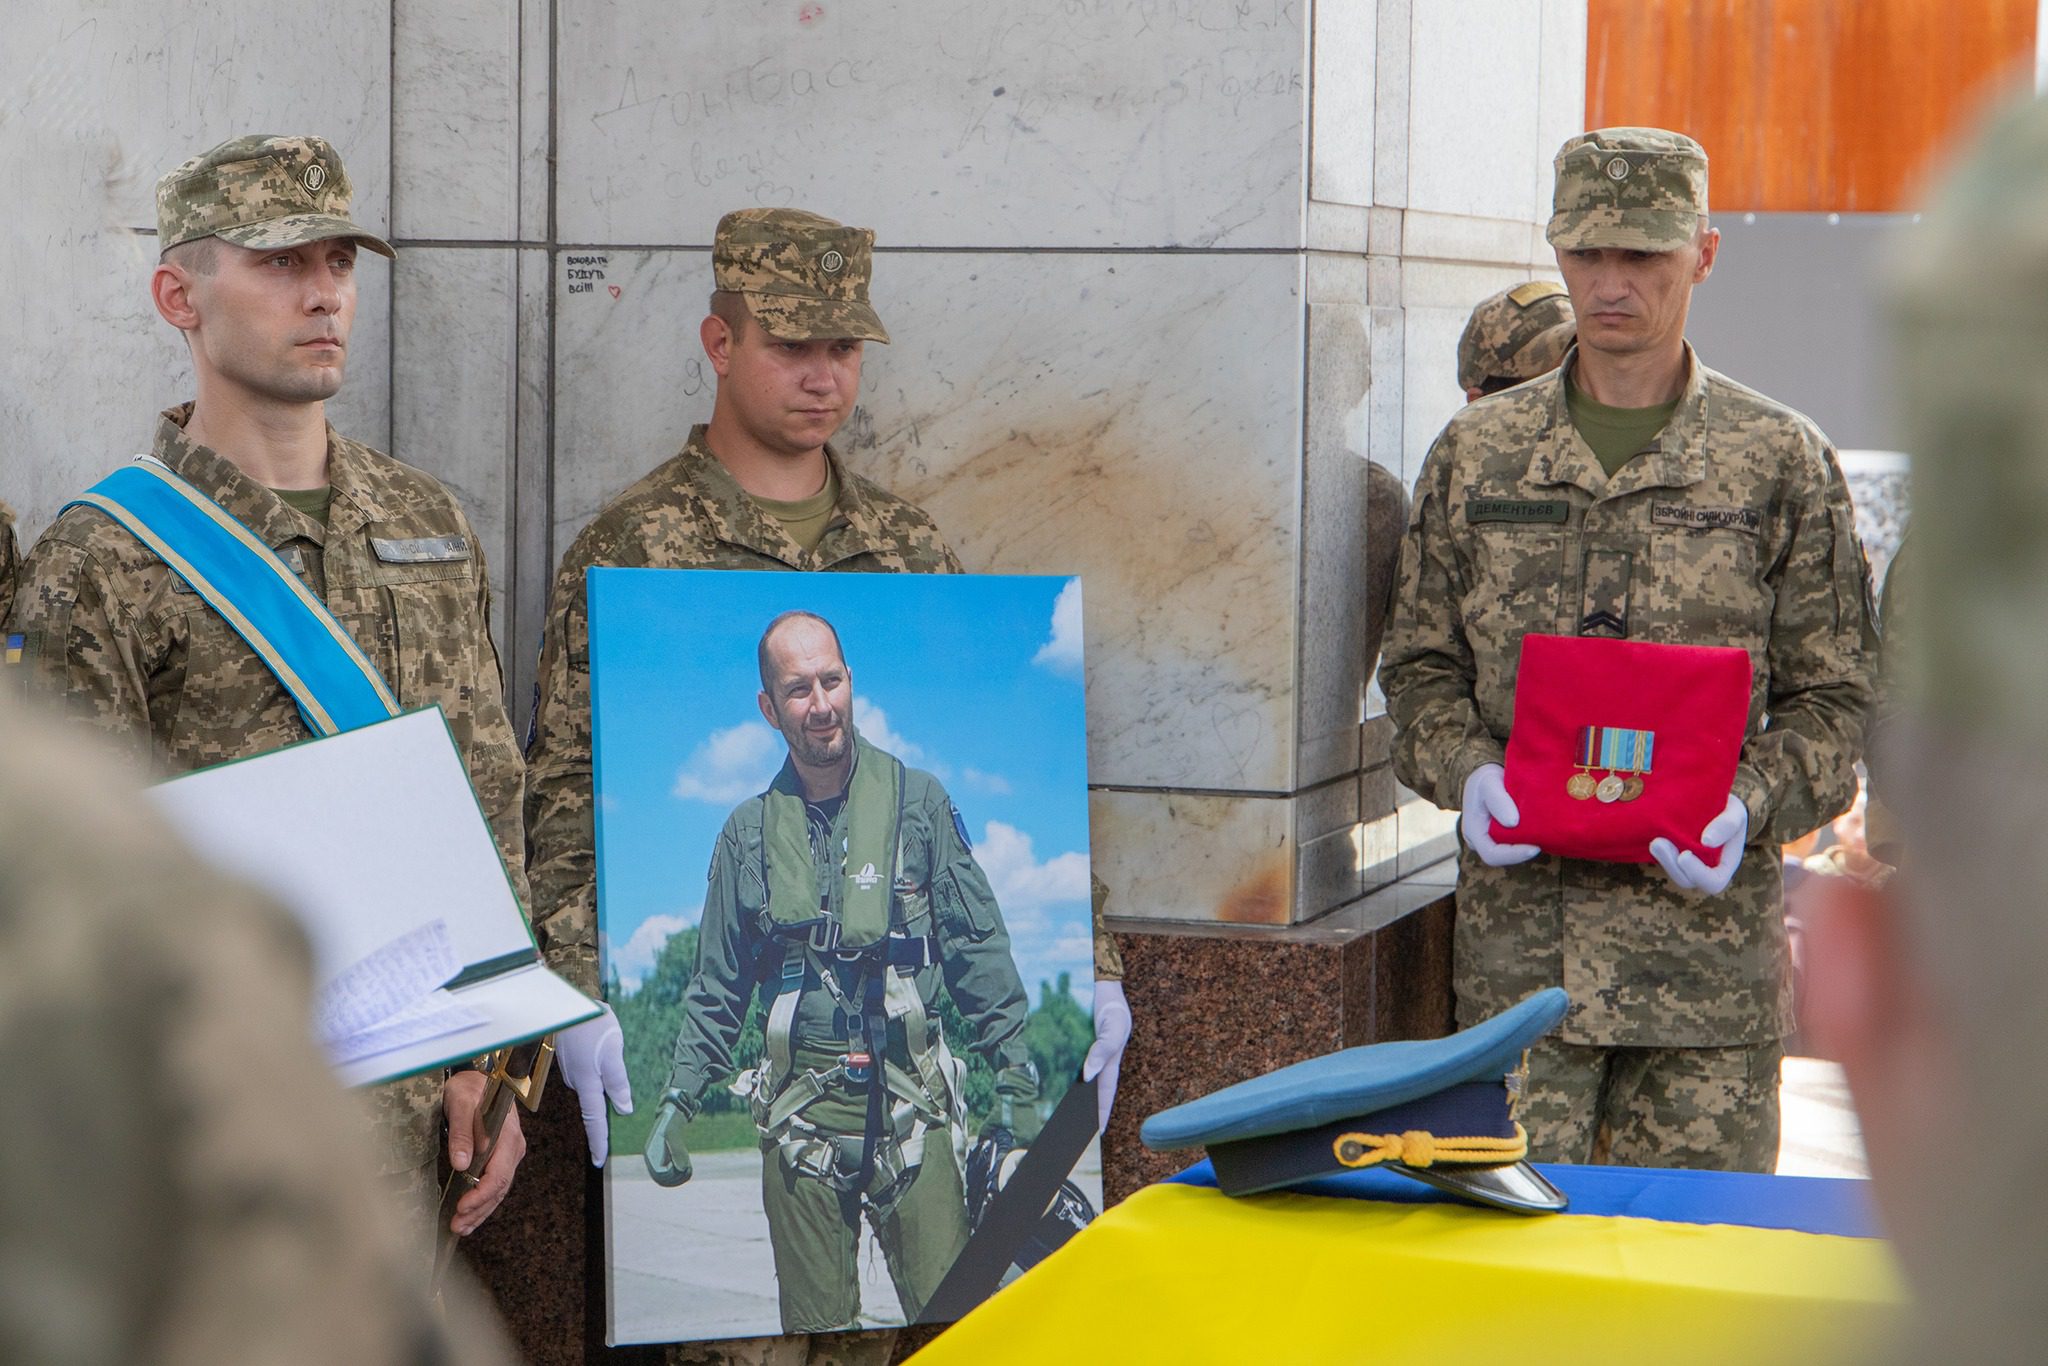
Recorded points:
1013,1215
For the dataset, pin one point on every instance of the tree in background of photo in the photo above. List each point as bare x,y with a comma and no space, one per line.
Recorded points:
1057,1032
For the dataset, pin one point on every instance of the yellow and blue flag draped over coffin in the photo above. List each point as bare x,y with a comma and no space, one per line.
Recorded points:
1667,1268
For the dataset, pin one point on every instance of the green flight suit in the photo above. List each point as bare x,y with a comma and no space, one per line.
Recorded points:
941,896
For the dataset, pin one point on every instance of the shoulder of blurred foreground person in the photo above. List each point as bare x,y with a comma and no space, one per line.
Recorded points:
162,1208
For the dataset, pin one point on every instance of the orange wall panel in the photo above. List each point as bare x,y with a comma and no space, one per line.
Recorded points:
1806,105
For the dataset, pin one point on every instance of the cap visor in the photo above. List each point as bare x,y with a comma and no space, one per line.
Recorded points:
1516,1187
788,317
295,230
1624,229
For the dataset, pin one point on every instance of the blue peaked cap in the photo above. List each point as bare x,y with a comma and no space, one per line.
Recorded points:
1352,1085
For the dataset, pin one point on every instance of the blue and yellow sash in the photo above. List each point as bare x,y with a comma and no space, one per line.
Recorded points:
335,685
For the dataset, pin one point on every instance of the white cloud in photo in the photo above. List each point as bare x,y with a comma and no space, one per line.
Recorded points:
873,724
732,765
1021,882
989,784
1061,652
636,959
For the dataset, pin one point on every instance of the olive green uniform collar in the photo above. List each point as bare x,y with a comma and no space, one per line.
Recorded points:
736,519
356,500
1677,458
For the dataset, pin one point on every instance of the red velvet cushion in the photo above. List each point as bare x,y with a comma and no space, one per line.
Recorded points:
1682,709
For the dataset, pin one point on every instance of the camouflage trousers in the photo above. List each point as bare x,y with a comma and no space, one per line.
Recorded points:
416,1194
1712,1109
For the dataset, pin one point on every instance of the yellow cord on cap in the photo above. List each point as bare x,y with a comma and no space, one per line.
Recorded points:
1417,1148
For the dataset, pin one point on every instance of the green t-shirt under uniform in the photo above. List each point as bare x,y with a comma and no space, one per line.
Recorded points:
1616,435
805,519
313,502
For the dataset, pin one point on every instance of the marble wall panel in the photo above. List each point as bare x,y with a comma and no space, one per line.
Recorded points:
454,403
1339,227
1326,859
1180,856
1133,418
1455,237
536,120
629,374
1378,842
1331,676
1341,102
533,569
1393,52
455,113
106,100
1560,94
1473,82
1327,874
1440,299
1428,834
1038,123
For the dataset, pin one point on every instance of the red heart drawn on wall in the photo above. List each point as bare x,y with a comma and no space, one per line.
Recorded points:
614,289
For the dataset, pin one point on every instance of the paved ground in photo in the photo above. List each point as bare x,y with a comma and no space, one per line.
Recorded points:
694,1261
1820,1136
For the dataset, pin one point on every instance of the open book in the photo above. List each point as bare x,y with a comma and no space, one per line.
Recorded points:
374,839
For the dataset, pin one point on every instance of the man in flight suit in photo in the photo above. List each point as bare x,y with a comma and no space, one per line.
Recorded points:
1634,493
849,893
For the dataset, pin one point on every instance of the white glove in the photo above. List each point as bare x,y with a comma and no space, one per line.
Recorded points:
1727,832
1106,1055
1486,801
592,1057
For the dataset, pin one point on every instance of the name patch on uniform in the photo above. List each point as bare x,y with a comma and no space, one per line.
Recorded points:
420,549
1554,510
1705,518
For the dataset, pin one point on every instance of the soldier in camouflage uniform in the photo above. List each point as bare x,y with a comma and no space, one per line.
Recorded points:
810,1097
756,488
1514,336
1723,520
10,560
159,1207
259,253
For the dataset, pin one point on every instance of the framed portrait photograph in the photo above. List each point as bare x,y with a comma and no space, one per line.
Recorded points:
844,921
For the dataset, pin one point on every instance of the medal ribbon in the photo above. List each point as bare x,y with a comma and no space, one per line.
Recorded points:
1616,749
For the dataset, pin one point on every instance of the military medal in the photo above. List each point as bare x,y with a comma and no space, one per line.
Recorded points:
1624,755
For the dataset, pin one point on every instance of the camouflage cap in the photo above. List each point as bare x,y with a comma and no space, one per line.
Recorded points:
260,191
804,277
1517,334
1640,189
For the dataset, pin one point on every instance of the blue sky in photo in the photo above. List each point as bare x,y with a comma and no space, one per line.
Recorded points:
973,678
